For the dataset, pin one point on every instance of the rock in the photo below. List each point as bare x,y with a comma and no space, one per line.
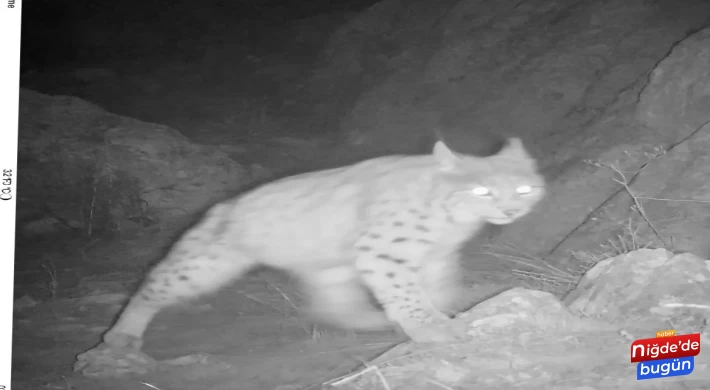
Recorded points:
103,171
530,337
651,287
444,64
678,91
662,147
520,309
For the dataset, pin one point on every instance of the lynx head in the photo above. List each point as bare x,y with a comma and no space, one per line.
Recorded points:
498,189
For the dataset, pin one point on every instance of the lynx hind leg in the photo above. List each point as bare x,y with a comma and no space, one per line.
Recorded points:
201,262
338,297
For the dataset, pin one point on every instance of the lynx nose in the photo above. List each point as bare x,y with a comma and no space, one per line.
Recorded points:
511,213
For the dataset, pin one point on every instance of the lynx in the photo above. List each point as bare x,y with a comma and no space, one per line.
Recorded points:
390,226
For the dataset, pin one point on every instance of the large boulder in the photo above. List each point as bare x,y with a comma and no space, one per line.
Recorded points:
96,172
533,69
657,187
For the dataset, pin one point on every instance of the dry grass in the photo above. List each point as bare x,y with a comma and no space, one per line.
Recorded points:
626,182
541,274
349,378
285,299
399,371
52,283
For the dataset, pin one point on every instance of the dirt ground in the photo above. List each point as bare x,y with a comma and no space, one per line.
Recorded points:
250,335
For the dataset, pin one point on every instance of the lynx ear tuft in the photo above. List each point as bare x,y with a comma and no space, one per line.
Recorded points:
447,158
514,148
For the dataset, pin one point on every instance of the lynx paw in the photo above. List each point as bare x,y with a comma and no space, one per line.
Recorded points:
107,361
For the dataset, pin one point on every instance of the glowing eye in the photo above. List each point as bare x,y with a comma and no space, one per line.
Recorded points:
481,191
523,190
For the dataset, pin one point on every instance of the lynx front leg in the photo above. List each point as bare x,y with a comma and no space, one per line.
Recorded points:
396,283
441,279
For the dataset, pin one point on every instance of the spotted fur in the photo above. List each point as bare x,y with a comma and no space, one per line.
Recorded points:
393,224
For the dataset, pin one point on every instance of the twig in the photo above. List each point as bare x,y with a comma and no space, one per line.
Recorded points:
90,227
691,305
675,200
606,201
382,379
443,386
286,297
249,296
312,332
624,182
149,385
348,378
53,282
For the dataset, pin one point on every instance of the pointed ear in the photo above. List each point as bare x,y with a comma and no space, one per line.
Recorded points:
514,148
446,157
